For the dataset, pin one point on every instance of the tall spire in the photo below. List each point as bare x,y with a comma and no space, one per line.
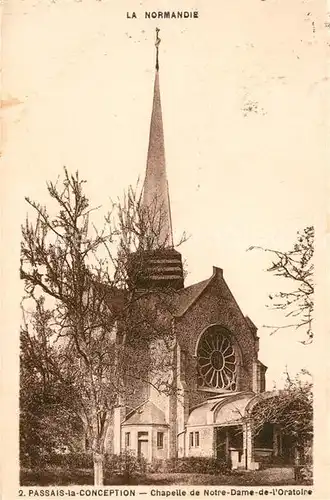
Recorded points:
156,264
155,199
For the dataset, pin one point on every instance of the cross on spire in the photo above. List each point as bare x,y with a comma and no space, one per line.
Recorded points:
157,42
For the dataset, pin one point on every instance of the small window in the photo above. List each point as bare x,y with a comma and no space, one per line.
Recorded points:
160,439
127,439
196,438
191,439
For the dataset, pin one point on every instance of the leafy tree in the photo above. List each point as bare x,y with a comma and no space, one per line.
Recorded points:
296,266
101,326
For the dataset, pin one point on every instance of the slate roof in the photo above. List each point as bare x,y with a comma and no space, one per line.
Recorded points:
147,413
187,296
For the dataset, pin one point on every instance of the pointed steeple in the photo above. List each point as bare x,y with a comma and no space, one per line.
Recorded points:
156,264
156,201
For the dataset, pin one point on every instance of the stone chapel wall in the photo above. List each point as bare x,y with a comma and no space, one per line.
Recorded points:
215,306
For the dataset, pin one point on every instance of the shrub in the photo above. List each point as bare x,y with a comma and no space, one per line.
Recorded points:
157,465
125,464
304,474
55,476
307,474
197,465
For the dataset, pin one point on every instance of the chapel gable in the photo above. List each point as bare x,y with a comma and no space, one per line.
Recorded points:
218,343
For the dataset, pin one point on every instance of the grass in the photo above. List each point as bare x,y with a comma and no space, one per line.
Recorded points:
63,477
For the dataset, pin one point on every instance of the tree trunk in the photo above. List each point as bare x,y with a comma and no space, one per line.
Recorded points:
98,459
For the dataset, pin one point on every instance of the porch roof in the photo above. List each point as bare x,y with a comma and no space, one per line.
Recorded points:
225,409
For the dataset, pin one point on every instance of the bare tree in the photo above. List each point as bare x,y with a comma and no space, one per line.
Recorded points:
296,266
102,326
48,417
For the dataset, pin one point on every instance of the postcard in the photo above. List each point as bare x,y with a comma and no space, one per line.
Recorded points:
163,251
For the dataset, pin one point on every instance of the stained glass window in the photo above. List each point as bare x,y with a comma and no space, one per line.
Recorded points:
217,363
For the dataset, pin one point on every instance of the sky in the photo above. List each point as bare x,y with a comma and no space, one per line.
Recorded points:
243,95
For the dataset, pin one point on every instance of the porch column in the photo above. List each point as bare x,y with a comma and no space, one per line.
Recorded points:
214,442
247,444
276,434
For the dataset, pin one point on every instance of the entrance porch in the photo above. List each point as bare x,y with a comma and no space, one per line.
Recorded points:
224,431
235,445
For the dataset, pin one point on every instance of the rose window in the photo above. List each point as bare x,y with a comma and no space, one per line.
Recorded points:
216,360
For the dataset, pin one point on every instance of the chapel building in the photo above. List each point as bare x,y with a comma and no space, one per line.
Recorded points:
218,375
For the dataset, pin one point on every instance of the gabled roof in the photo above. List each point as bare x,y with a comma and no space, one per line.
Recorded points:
147,413
187,296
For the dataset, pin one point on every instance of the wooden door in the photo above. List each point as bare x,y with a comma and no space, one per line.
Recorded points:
143,448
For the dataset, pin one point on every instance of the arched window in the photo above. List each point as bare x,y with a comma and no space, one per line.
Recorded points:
217,360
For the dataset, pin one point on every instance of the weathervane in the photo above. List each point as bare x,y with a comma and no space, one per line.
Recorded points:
157,42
